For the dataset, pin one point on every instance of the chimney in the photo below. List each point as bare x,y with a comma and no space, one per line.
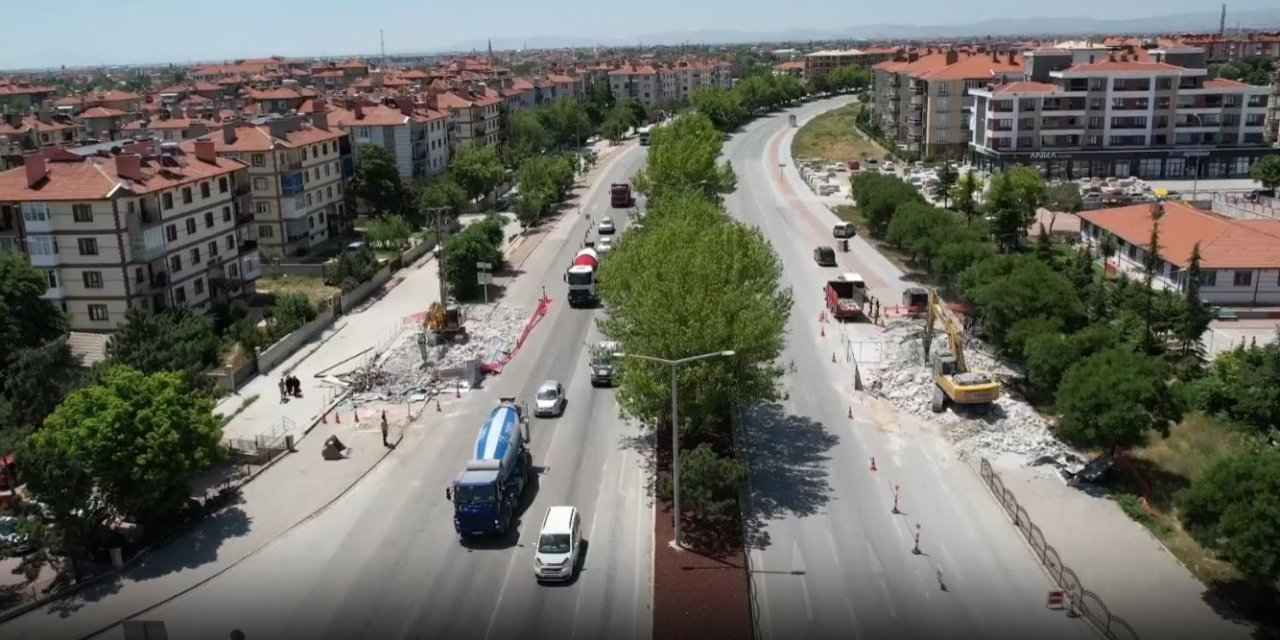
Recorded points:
405,105
205,151
129,166
320,120
1111,57
37,169
508,83
1124,57
1091,58
953,56
1013,57
359,110
913,56
229,132
995,56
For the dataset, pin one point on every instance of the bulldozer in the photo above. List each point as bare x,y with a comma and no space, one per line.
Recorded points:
445,322
954,383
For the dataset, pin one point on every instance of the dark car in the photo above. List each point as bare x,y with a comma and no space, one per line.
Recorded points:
825,256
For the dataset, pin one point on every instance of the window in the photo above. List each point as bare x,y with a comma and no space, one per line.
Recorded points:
265,231
186,195
98,312
1097,84
35,211
226,214
213,247
175,262
326,171
231,243
328,191
204,189
222,185
1095,122
321,217
191,225
1243,279
1164,83
199,286
258,160
167,200
195,255
234,270
208,219
53,278
262,207
1209,278
1162,102
259,184
92,279
88,246
180,295
82,213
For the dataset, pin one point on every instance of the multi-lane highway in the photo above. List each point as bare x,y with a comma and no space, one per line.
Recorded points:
829,558
384,561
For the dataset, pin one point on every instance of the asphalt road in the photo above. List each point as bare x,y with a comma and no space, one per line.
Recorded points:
829,558
384,561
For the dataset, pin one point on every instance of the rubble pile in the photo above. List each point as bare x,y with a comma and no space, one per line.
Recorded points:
904,377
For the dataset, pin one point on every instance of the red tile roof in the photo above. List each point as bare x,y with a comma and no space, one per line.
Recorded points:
274,94
977,66
102,112
1025,87
250,138
95,178
1225,243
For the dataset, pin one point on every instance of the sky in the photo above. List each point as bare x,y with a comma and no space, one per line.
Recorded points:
50,33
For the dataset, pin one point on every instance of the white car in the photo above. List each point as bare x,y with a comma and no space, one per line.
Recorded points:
559,545
605,245
606,226
550,401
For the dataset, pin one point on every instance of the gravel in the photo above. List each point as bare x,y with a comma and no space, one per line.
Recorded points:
904,378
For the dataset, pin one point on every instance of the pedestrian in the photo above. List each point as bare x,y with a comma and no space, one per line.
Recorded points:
284,389
296,384
385,427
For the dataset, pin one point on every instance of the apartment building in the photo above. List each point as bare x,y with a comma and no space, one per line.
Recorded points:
151,225
296,175
919,98
793,68
1088,112
819,63
21,134
19,96
416,136
1272,121
1232,48
517,94
1240,259
680,79
473,114
640,82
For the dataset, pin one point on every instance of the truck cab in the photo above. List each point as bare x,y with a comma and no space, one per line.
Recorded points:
620,195
486,495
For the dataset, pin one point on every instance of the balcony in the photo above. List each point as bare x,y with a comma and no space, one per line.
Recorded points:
250,265
917,100
160,278
244,218
243,189
297,210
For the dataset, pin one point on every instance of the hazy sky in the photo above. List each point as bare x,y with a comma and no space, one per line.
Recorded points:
90,32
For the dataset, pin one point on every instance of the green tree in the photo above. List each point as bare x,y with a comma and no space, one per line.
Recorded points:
377,186
1254,70
391,232
961,250
878,196
440,191
1267,171
1243,385
684,156
1011,200
965,193
723,108
27,319
921,230
600,103
32,386
1048,357
1196,315
477,169
1113,399
616,124
1152,264
290,311
948,177
635,109
529,137
848,79
168,340
709,482
1044,247
1007,289
352,268
479,242
135,440
1234,510
566,122
695,282
1063,197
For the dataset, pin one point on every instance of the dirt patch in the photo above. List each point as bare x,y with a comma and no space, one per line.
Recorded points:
834,136
700,593
314,288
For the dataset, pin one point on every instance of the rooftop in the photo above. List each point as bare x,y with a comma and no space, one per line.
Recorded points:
98,178
1225,243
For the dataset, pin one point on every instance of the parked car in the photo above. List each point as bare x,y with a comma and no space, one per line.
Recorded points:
12,537
550,401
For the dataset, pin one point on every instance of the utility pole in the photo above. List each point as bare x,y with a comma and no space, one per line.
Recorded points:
437,214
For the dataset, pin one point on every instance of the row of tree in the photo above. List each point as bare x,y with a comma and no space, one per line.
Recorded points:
691,282
754,94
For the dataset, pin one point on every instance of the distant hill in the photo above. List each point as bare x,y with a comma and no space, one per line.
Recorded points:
1030,26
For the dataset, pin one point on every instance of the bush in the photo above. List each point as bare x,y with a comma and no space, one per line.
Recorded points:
291,311
480,242
351,269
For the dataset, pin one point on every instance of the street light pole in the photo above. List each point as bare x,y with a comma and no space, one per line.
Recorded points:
677,542
438,219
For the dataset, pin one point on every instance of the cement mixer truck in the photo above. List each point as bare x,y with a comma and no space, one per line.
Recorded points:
581,277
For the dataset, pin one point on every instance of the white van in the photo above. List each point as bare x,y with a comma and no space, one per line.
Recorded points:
559,543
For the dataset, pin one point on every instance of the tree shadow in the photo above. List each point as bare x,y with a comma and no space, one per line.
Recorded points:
1246,602
642,444
787,455
1164,484
195,548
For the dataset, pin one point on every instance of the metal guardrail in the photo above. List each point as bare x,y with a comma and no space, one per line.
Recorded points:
1087,602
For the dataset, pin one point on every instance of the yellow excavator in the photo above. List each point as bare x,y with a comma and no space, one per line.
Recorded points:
955,384
446,322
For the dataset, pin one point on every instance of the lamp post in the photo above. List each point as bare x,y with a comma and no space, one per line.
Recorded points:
675,425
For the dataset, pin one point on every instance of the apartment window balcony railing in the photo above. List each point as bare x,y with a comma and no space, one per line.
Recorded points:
244,218
292,184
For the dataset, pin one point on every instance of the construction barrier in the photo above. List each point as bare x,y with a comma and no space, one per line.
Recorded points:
494,368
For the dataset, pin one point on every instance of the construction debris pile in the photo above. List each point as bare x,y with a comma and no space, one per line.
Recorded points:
401,371
903,376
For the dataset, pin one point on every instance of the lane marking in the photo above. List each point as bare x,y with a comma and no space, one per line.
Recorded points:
591,536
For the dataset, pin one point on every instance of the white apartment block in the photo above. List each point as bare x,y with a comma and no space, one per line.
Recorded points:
296,176
152,226
1088,112
473,114
416,136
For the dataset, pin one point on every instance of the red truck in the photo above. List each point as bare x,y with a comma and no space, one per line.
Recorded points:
620,195
846,296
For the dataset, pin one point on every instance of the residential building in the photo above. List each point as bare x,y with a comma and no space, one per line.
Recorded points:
149,226
473,114
168,128
416,136
517,94
17,97
20,135
297,171
640,82
1086,112
674,83
1239,258
819,63
794,68
1272,121
1232,48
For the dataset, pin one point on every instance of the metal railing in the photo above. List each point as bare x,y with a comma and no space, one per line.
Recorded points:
1086,602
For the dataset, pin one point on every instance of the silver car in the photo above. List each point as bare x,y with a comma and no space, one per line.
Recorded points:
606,226
550,401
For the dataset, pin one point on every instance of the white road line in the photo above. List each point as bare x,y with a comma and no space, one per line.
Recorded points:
884,588
835,551
853,619
804,591
591,536
643,532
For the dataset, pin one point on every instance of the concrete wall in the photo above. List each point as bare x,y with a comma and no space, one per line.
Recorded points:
293,269
354,296
280,351
228,379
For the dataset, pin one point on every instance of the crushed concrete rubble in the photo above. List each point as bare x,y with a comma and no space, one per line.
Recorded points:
903,377
400,373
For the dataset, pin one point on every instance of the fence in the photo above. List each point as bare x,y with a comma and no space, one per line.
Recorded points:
275,354
1244,209
1087,602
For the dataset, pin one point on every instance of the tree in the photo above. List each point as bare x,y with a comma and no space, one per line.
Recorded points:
1008,289
1267,171
709,482
529,137
921,229
168,340
1243,386
600,103
1234,510
530,207
878,196
1048,357
566,122
695,282
684,156
352,268
1011,200
135,440
377,185
1152,263
1254,70
1196,315
635,109
477,169
26,318
440,191
849,78
290,311
35,382
965,192
1113,399
1062,197
479,242
616,124
947,179
723,108
1044,247
391,232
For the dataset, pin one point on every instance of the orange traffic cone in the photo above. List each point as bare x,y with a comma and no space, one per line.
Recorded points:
438,406
337,417
833,357
850,413
873,464
356,414
822,331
